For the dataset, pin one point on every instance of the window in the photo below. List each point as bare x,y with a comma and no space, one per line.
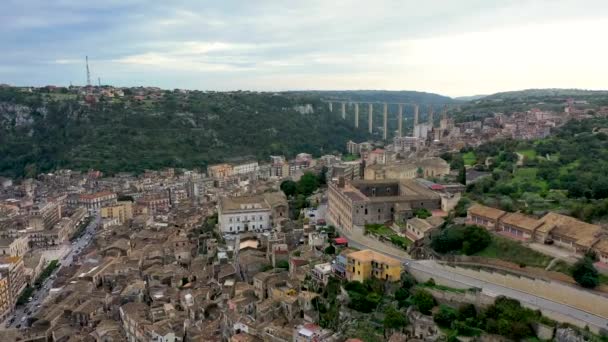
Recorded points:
365,211
358,272
230,219
238,219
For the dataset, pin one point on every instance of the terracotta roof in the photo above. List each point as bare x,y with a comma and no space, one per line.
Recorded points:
602,246
521,221
582,232
489,212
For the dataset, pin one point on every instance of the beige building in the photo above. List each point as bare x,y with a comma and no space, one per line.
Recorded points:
5,299
220,171
360,202
418,229
45,215
553,228
12,268
96,200
484,216
409,169
17,246
123,211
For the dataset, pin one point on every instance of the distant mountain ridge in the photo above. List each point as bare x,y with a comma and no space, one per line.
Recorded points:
393,96
544,92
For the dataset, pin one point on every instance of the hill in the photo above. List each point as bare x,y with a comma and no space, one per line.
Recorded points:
48,128
523,100
546,93
393,96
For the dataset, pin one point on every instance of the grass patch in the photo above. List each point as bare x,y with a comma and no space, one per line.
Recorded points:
442,288
379,229
530,153
382,230
349,157
527,175
513,251
469,158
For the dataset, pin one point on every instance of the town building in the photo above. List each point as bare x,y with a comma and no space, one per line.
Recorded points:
16,246
408,169
12,268
553,228
251,213
360,202
419,229
5,299
368,264
245,168
94,201
123,211
484,216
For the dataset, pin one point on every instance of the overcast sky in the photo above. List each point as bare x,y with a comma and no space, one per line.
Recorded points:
452,47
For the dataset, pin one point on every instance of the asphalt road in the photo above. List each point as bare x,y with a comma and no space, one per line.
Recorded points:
362,242
22,313
429,266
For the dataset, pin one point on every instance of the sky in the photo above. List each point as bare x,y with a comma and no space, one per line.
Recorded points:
451,47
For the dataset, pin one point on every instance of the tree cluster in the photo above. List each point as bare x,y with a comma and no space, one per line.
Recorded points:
465,239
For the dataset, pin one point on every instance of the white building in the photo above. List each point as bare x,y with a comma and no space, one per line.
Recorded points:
242,214
245,168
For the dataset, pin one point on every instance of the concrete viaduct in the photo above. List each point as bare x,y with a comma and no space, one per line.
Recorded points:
385,113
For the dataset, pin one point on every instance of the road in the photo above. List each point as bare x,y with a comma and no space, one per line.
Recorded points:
30,309
430,266
358,240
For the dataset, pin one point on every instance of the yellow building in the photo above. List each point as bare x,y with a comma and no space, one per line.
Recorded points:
123,211
5,302
365,264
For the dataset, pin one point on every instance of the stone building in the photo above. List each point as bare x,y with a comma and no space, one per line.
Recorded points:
357,203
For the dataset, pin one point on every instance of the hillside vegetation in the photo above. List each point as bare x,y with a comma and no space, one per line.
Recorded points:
42,131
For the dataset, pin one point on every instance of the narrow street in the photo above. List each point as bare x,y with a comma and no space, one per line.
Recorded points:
23,312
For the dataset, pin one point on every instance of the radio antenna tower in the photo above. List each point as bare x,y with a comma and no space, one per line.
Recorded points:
88,72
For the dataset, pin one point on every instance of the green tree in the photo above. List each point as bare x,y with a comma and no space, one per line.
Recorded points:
475,239
393,319
289,188
307,184
585,273
445,316
462,175
424,301
330,250
422,213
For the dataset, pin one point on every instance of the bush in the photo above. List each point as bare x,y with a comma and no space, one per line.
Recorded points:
475,239
585,273
283,264
422,213
445,316
424,301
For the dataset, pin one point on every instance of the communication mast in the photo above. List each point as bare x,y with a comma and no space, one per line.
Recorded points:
88,72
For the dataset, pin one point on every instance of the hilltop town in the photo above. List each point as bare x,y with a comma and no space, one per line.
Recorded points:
381,241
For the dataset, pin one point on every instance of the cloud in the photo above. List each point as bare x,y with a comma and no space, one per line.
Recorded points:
453,47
